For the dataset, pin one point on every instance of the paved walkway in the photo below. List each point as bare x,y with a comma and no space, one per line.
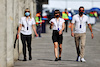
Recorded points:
43,52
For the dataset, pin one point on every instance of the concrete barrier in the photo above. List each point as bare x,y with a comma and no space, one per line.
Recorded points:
3,33
10,49
21,13
16,20
11,11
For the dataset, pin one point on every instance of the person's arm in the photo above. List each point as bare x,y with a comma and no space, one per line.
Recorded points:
90,27
72,26
19,28
63,27
34,29
67,13
51,25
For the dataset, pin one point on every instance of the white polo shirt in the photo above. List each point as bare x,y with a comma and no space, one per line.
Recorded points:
80,23
57,24
26,24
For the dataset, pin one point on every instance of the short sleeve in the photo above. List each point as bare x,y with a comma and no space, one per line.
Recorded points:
73,19
51,21
63,20
20,21
33,21
88,22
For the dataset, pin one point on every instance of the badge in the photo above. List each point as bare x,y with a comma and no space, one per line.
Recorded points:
58,29
80,26
27,28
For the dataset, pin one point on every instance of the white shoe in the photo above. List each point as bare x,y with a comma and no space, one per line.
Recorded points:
78,59
83,60
36,37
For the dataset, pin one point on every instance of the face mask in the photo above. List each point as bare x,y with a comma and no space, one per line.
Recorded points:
80,13
27,14
57,16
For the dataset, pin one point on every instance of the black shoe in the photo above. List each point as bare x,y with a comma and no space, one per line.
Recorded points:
56,59
30,58
25,59
59,58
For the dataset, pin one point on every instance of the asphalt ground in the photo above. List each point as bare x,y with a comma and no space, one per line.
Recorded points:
43,51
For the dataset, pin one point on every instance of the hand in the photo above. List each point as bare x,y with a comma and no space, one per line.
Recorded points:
17,36
60,32
22,25
52,23
72,34
36,35
92,36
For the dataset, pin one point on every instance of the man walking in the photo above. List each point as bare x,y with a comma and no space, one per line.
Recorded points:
38,20
80,21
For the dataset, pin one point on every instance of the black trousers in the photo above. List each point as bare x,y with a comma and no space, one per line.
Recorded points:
66,22
26,39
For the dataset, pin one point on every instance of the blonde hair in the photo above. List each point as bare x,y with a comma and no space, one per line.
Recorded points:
27,9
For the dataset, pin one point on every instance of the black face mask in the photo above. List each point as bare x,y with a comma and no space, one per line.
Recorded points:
57,16
80,13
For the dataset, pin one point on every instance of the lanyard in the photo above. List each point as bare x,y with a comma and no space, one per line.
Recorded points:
27,23
58,24
81,20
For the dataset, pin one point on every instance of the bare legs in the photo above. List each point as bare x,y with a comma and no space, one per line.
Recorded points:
56,49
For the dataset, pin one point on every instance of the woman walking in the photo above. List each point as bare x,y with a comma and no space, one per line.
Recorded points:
25,30
58,25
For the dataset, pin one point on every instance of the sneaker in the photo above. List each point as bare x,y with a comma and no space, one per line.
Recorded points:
83,60
59,58
36,37
78,59
56,59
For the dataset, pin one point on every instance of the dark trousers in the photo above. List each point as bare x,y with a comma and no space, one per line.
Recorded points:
66,22
39,30
26,39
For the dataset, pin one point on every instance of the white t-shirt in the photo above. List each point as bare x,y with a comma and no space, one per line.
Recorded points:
80,23
57,24
26,24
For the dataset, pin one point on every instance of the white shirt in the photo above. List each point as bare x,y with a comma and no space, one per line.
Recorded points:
57,24
26,24
80,21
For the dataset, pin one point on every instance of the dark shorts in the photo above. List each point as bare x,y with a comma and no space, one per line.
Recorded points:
56,37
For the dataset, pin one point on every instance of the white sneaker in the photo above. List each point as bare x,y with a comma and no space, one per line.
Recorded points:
83,60
36,37
78,59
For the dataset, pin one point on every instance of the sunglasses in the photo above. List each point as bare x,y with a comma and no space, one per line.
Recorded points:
56,13
27,11
81,10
